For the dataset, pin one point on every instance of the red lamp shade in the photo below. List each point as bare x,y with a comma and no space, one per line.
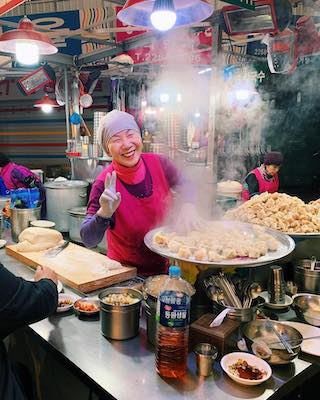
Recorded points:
138,12
46,101
25,32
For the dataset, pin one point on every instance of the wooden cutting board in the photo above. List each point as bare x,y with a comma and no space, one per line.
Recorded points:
76,266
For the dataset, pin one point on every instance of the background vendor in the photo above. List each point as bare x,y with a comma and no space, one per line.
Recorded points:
264,178
16,176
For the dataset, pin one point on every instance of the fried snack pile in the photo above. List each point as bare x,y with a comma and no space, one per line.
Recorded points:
279,211
218,241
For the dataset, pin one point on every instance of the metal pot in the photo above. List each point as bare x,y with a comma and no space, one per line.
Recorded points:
120,322
20,219
150,310
76,216
61,196
307,280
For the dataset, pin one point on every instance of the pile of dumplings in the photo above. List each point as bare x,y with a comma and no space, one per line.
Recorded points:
217,242
279,211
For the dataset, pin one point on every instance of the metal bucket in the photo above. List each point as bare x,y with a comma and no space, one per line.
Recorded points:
307,280
20,220
240,314
120,322
61,196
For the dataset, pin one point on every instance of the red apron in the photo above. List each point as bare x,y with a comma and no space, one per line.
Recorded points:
137,216
271,186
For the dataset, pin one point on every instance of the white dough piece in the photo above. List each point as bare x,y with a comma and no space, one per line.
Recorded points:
38,239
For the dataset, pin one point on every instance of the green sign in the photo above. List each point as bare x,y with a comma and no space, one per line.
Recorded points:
248,4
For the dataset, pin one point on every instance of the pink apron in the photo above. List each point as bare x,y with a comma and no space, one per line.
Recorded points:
271,186
137,216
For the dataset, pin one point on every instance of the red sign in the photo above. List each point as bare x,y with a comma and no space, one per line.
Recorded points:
7,5
177,48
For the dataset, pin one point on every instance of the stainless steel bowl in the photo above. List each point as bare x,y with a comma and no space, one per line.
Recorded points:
307,308
260,330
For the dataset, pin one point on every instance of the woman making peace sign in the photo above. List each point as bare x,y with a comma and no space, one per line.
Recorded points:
132,196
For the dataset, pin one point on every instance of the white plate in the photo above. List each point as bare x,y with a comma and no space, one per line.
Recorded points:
65,296
308,346
2,243
252,360
288,301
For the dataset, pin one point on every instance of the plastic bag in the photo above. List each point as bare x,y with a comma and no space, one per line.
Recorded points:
25,198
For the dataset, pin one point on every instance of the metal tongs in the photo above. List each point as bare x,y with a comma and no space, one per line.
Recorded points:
283,341
55,251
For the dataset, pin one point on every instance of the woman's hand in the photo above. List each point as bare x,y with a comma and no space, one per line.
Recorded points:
189,219
110,199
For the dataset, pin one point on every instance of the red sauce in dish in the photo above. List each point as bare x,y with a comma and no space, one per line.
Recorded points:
245,371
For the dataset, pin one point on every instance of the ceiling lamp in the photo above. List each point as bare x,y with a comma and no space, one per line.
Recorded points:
164,14
26,43
46,104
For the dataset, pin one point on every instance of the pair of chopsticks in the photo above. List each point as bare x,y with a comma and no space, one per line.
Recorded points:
296,340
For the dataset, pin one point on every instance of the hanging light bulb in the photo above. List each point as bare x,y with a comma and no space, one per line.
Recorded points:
163,16
26,43
27,53
46,108
46,104
146,13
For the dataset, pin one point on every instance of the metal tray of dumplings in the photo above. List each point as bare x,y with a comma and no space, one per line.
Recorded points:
286,246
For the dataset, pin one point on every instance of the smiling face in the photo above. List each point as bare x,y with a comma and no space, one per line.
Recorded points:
125,147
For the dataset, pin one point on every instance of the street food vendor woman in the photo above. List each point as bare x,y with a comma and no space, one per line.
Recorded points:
264,178
132,196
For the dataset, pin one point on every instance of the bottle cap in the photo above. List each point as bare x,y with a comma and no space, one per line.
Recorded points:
174,270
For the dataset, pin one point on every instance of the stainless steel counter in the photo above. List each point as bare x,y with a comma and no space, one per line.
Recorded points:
126,369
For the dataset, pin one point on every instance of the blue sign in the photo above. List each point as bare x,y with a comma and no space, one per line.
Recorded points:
60,22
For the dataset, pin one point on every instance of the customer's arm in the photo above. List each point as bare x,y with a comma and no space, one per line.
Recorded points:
23,302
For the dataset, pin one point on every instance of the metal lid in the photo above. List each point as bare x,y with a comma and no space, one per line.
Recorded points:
66,184
78,211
